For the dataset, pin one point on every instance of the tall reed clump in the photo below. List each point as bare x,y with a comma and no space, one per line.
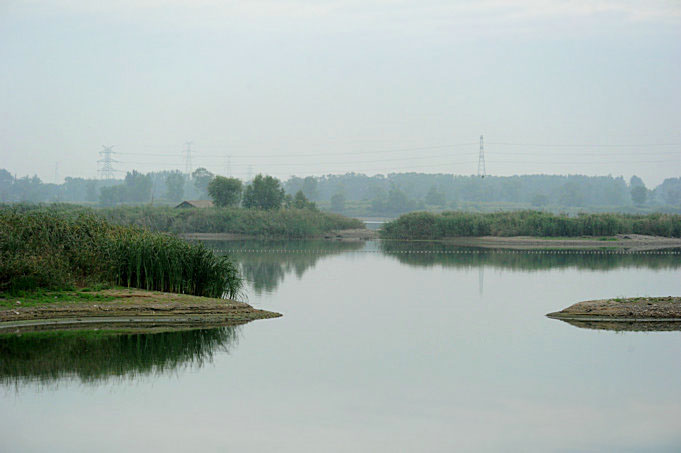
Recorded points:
425,225
52,249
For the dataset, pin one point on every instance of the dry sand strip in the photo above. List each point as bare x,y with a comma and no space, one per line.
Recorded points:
135,306
631,242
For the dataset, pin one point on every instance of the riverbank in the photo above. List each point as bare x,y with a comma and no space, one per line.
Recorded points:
630,242
351,234
121,307
639,309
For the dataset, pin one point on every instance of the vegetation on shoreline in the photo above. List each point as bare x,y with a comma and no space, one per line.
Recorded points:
281,223
424,225
57,250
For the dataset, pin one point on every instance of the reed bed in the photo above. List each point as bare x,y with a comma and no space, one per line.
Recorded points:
58,249
424,225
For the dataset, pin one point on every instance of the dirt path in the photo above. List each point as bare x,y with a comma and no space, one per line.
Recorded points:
632,242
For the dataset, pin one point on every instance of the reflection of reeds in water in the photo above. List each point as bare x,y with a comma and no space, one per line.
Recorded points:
99,356
265,264
439,254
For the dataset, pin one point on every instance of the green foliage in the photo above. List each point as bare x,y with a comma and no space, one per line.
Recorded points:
424,225
52,249
338,202
639,194
265,192
202,178
300,201
225,191
175,186
435,197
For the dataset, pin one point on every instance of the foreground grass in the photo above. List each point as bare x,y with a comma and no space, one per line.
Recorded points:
424,225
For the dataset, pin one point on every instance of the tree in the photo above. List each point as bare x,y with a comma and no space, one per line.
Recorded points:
202,178
300,201
138,187
435,197
635,181
225,191
338,202
264,192
310,188
639,195
175,186
539,200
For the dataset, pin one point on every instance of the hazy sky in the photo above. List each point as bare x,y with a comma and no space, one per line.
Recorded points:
316,87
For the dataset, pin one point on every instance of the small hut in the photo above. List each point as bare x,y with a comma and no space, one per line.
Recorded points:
200,204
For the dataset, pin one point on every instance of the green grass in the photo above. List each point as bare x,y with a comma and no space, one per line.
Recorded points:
41,297
425,225
63,249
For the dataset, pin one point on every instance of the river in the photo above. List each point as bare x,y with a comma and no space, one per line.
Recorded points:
382,348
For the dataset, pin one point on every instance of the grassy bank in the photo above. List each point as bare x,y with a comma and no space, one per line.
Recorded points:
424,225
284,223
64,249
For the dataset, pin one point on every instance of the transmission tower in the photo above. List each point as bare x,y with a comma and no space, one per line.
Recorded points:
106,170
481,160
188,158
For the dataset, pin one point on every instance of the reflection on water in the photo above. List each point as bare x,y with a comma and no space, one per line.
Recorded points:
426,254
100,355
265,271
626,326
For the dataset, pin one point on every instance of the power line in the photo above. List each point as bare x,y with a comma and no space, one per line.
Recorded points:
188,158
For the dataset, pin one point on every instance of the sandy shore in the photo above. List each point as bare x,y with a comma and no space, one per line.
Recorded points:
357,234
633,242
131,306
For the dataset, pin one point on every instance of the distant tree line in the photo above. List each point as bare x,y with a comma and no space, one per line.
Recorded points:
389,195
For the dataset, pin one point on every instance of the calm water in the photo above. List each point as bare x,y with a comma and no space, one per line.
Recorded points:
379,349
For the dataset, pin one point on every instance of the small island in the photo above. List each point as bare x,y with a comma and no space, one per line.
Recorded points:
634,313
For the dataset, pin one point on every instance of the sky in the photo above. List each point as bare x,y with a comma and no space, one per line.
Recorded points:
331,86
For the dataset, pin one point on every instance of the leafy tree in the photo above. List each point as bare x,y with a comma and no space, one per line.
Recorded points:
91,190
540,200
635,181
175,186
225,191
338,202
202,178
300,201
310,188
435,197
264,192
112,195
138,187
639,195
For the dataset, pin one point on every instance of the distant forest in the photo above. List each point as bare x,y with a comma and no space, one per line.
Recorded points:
380,195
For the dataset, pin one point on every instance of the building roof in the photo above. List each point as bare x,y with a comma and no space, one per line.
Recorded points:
195,204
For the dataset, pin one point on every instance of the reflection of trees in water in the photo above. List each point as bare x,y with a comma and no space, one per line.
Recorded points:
441,254
265,264
99,356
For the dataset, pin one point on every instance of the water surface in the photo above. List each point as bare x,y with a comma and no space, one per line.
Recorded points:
382,347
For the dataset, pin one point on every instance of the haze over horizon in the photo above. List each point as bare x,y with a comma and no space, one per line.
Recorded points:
317,87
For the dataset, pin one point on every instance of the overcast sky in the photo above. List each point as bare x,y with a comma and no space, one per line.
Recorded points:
317,87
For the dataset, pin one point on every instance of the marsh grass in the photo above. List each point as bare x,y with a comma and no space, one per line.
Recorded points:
424,225
61,250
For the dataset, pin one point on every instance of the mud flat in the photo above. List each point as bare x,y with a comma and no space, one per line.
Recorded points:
123,307
633,314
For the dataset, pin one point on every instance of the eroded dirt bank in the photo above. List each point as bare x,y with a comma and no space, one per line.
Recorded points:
130,306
